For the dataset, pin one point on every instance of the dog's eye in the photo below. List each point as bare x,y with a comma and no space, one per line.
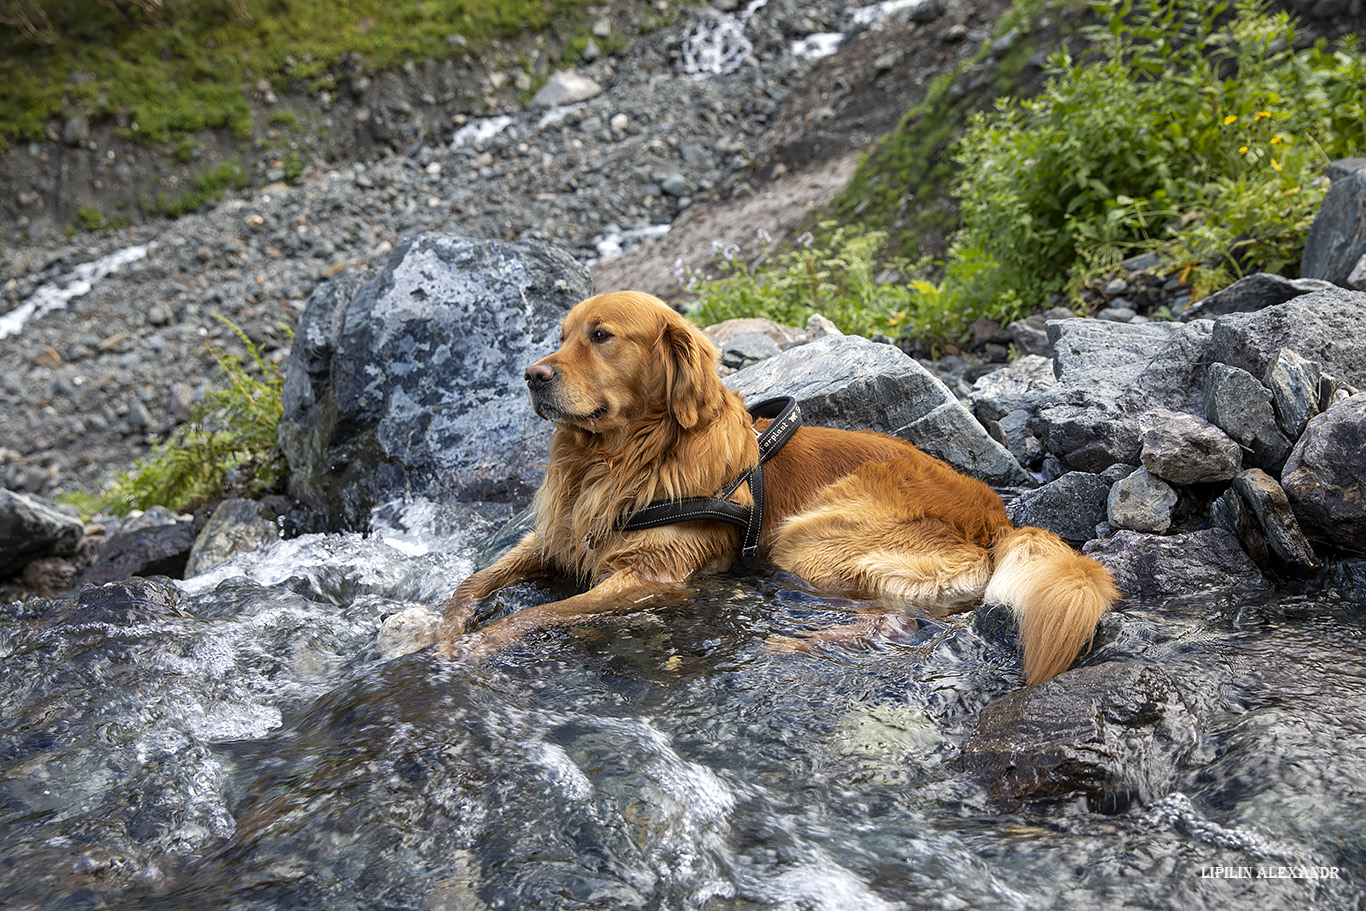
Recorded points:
600,335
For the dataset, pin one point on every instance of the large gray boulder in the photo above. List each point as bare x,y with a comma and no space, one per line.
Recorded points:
412,383
30,528
1337,239
1328,327
1109,376
852,383
1325,476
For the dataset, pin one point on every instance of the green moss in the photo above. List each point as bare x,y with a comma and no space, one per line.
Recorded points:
176,67
212,185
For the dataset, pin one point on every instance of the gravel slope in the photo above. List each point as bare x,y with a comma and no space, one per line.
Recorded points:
85,388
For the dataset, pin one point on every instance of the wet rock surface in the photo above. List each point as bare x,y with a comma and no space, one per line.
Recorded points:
1073,736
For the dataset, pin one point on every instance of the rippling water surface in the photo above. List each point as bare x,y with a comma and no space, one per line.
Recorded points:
240,741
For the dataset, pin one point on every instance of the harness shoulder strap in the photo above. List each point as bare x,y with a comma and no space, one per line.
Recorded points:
785,417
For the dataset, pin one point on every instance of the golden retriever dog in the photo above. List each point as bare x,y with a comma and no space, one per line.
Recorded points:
641,416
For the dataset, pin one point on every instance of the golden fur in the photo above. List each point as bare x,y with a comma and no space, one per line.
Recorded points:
641,415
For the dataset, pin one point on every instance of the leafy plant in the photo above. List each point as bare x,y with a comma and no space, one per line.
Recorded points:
209,186
838,278
1186,130
228,445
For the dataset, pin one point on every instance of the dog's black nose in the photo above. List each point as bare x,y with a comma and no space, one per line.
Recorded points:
539,375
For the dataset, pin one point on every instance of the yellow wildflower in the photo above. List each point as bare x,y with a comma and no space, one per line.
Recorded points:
1277,139
1262,115
1230,119
1243,150
1275,164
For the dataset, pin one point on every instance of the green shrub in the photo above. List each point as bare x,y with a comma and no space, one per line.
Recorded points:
210,186
227,446
1185,130
837,278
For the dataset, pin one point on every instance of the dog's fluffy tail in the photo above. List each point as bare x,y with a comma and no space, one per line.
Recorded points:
1057,596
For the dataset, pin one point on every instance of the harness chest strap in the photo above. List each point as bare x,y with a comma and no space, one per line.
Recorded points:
786,418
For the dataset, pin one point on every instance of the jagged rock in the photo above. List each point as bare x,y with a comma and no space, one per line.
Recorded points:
852,383
1157,567
1254,292
158,550
1325,476
1337,239
1141,502
30,528
1230,512
1271,507
1294,384
1327,327
412,384
1109,376
1183,449
1070,507
1003,398
1115,734
1239,405
236,526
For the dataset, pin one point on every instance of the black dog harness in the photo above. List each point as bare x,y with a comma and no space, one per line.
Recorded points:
787,417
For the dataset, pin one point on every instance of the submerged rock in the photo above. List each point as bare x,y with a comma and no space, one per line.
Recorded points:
411,384
236,526
1115,734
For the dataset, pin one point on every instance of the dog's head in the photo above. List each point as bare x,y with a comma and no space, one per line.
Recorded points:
626,357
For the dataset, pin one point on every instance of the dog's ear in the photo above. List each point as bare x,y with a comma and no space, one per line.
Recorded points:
691,385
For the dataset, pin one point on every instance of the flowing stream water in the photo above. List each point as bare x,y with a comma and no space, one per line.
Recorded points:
243,743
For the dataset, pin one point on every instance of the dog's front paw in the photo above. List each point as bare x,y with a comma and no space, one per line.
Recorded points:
407,631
